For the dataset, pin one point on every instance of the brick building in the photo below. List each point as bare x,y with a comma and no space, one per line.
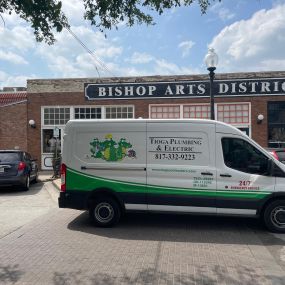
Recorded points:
13,120
253,102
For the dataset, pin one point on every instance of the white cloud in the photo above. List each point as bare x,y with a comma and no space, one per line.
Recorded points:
10,80
256,44
165,67
109,52
18,38
74,10
186,47
12,57
223,13
140,58
67,58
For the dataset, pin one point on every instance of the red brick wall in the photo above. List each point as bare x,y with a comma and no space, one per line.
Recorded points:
13,126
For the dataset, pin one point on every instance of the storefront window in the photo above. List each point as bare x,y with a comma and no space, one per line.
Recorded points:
276,124
233,113
119,112
165,112
196,111
56,116
87,113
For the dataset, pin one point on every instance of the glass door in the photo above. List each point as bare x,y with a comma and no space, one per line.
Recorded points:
51,146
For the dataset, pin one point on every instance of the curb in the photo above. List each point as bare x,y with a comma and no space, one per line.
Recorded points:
53,190
56,185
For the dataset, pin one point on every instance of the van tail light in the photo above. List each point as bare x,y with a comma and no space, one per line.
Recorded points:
63,177
21,165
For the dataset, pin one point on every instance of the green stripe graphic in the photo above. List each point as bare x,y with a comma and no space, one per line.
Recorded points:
79,181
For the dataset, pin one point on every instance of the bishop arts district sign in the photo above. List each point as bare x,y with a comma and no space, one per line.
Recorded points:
185,89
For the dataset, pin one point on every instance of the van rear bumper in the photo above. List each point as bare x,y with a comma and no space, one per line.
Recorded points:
72,200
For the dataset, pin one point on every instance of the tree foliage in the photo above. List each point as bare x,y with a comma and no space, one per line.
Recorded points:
46,16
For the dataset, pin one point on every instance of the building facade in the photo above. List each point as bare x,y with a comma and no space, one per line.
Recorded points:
13,120
253,102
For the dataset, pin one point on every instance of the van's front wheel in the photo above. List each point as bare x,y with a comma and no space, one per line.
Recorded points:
274,216
105,212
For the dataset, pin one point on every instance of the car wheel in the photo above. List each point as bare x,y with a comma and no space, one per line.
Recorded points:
27,183
36,179
274,216
105,212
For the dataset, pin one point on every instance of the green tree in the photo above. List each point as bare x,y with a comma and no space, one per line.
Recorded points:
46,16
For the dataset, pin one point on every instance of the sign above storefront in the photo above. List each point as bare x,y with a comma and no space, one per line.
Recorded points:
185,89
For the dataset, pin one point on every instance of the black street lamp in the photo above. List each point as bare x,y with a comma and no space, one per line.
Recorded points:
211,60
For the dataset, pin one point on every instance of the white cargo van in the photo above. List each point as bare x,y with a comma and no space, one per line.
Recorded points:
189,166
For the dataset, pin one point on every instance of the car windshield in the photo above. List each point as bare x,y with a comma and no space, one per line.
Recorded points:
9,156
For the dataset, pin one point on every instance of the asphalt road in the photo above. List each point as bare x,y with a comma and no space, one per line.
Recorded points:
41,244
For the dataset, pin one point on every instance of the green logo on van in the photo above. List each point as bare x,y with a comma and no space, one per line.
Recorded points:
111,150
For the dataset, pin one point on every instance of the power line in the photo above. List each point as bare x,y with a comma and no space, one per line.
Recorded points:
96,58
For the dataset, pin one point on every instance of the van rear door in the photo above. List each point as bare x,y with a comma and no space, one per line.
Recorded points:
181,174
109,155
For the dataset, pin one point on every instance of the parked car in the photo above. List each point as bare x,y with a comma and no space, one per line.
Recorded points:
17,168
278,153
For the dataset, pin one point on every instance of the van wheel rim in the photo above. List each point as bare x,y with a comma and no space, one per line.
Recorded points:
28,182
278,217
104,212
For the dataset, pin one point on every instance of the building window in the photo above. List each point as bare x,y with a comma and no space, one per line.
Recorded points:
276,124
87,113
119,112
196,111
165,112
56,116
233,113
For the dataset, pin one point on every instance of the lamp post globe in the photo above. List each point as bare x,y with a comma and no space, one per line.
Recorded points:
211,61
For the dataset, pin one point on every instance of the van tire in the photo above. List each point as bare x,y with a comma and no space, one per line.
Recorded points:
274,216
105,212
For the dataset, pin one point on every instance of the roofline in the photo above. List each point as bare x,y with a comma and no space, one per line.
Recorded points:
14,103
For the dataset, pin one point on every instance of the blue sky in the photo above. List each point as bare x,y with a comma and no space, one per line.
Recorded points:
248,35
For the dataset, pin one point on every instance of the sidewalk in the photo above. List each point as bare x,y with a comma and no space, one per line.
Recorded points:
45,176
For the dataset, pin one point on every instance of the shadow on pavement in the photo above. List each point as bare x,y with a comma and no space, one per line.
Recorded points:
17,191
10,273
201,275
179,228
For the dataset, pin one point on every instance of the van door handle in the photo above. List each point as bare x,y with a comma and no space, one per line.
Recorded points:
225,175
207,173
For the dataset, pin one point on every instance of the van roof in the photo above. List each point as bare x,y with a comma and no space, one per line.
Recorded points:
220,126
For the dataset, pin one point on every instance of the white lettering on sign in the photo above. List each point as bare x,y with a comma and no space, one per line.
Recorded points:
185,89
168,91
102,91
201,89
223,88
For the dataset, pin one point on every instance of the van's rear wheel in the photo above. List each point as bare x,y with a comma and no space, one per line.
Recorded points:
274,216
105,212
